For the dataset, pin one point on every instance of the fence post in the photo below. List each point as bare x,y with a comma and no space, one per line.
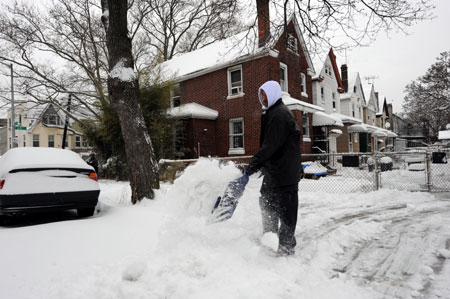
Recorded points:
428,167
377,173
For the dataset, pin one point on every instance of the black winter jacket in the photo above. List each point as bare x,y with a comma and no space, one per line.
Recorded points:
279,151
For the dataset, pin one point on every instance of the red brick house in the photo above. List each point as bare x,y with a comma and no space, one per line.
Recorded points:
215,96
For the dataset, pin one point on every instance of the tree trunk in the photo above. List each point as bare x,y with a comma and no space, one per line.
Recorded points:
124,95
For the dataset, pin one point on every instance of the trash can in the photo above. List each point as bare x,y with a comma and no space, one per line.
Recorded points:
385,164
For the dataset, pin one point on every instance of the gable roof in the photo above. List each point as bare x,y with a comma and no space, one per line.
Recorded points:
319,62
235,49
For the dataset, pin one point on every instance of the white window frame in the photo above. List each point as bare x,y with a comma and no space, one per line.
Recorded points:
284,85
173,96
353,110
355,140
350,142
240,89
305,127
303,84
333,103
48,140
38,140
292,43
236,150
78,141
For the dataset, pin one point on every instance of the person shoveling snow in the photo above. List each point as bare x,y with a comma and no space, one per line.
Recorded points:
279,154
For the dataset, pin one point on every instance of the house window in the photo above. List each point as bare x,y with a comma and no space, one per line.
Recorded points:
355,140
51,140
292,43
303,83
305,120
236,134
179,138
175,98
353,110
20,119
322,94
77,141
334,100
36,140
24,140
283,77
354,88
235,80
350,142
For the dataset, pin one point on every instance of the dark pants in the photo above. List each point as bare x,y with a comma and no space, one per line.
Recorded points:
279,214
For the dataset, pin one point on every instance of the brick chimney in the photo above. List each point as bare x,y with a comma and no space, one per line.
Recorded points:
344,74
262,7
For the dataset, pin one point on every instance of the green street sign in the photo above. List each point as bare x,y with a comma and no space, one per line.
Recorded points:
21,128
16,123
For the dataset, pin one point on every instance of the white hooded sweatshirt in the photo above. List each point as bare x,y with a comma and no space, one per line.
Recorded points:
273,92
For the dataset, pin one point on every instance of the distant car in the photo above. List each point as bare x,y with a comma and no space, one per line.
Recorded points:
42,179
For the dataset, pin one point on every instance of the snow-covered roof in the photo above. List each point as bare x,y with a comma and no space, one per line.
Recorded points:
235,49
444,135
193,110
323,119
346,119
294,104
216,54
40,157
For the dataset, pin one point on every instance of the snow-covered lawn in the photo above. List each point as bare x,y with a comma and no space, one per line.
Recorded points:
383,244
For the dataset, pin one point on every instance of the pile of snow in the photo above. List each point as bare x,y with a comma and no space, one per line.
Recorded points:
194,193
417,167
386,160
313,168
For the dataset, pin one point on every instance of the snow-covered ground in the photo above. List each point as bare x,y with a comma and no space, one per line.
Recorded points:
383,244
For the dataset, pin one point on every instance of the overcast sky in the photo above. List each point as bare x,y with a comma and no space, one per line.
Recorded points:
402,58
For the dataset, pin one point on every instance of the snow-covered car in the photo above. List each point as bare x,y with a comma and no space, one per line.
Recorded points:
42,179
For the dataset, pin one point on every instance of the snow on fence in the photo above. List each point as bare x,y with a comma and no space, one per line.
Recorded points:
359,172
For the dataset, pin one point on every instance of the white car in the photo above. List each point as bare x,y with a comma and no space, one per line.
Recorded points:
42,179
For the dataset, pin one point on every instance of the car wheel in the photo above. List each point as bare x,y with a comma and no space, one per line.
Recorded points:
86,212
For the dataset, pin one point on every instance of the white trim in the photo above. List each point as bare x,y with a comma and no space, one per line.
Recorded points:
284,67
235,150
235,96
229,71
306,139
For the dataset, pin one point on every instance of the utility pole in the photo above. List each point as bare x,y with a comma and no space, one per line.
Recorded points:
13,125
66,124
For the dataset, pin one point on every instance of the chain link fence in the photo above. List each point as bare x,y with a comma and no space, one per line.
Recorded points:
415,170
364,172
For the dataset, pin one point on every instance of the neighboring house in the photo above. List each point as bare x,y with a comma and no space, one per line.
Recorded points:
370,109
215,96
3,135
43,126
326,87
351,114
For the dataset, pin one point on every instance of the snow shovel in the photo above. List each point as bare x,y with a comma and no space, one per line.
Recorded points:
226,204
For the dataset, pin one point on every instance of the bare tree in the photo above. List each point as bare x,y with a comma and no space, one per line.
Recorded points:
427,101
343,24
123,88
177,26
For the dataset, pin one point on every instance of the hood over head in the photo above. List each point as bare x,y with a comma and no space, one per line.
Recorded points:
272,90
